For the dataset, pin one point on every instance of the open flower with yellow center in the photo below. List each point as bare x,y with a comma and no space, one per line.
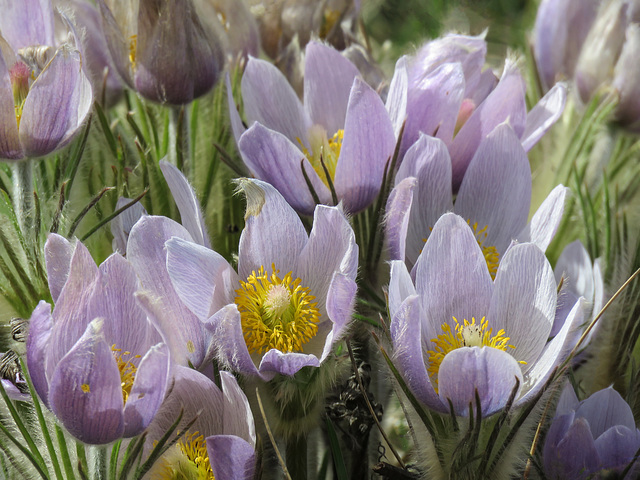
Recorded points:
456,331
96,361
292,296
340,137
494,198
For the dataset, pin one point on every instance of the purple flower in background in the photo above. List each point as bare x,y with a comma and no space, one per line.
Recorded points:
294,292
455,331
220,443
341,135
444,92
494,197
591,439
44,94
96,361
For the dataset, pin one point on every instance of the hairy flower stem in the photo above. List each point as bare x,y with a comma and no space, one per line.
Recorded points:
179,148
23,197
296,457
100,459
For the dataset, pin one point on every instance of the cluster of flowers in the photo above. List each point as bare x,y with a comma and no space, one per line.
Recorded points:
479,321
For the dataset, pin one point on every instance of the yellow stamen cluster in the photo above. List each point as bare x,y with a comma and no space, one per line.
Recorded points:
190,460
127,370
325,151
490,252
469,334
276,312
133,45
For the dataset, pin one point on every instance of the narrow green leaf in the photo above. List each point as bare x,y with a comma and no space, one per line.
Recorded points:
336,451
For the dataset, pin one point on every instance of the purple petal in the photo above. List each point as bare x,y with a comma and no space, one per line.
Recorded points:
541,117
400,286
57,256
545,221
428,160
524,301
272,157
187,202
85,392
496,189
489,371
328,77
574,265
452,277
575,456
238,419
115,38
58,103
275,361
271,101
625,78
605,409
231,457
273,232
617,447
396,103
121,225
236,122
40,326
340,303
396,220
555,434
10,147
568,401
27,23
367,147
505,103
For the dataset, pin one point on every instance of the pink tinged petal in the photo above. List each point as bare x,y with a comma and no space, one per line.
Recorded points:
407,337
231,457
496,189
148,391
10,147
400,285
368,145
187,202
85,392
505,103
524,301
121,225
273,232
575,456
545,221
233,352
275,361
452,277
27,23
428,160
237,127
272,157
202,278
57,256
396,104
434,103
237,418
605,409
542,117
617,448
489,371
328,77
397,217
58,102
271,101
486,83
40,326
555,352
340,304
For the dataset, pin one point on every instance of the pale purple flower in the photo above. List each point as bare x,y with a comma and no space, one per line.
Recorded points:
96,361
45,95
455,331
494,197
446,94
292,296
342,120
595,438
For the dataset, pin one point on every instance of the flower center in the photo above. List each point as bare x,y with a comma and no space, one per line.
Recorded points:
491,255
20,74
323,151
133,45
190,460
276,312
469,334
127,370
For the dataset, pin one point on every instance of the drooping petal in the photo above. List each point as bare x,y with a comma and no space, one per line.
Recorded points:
273,232
541,117
368,145
121,225
148,391
275,361
57,257
270,100
10,147
396,103
28,23
40,326
85,392
488,371
231,457
272,157
187,202
328,77
396,222
496,189
545,221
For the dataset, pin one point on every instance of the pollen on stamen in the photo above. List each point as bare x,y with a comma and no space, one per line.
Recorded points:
491,255
126,368
190,460
323,151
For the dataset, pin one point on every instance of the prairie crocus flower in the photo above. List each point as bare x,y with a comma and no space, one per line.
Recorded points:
44,94
456,332
340,138
494,197
446,94
595,438
220,443
292,296
169,52
96,361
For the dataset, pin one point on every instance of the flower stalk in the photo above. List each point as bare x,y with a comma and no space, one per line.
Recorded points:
23,197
